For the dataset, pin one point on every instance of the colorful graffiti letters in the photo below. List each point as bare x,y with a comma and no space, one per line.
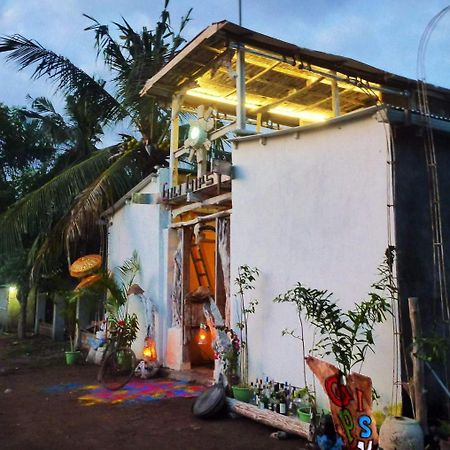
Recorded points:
341,396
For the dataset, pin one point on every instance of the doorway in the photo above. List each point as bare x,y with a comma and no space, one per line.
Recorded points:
205,264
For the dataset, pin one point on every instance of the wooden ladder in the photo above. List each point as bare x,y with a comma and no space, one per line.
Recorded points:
199,265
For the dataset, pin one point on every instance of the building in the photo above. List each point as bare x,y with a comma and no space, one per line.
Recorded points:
332,162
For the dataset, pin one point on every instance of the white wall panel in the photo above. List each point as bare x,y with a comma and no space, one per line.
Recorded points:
311,209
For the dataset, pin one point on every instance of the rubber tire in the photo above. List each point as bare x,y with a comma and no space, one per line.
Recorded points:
114,372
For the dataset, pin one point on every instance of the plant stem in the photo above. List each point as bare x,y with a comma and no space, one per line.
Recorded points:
303,347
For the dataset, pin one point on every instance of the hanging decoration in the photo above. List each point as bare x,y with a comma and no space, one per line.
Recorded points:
202,335
219,337
223,255
177,291
86,265
88,281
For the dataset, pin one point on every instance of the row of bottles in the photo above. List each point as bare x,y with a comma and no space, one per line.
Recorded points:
282,398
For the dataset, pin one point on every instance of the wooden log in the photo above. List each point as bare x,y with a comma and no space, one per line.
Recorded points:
269,418
200,219
420,403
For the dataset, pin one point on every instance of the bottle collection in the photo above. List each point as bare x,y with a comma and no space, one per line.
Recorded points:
282,398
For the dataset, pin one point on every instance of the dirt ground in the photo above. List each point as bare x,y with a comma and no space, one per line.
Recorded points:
31,418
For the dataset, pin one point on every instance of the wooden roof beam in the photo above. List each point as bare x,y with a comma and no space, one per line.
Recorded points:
255,77
320,102
280,66
216,62
214,84
293,94
219,201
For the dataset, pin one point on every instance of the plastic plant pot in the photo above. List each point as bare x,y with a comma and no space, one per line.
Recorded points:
304,414
244,394
72,357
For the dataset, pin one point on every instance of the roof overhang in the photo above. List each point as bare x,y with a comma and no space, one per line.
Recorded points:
286,83
218,35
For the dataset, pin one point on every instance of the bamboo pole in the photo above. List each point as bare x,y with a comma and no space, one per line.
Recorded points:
269,418
420,403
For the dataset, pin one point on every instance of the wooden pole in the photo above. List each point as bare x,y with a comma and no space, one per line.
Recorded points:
269,418
335,97
420,402
174,137
200,219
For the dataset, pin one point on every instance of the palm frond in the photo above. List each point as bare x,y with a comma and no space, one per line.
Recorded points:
136,58
50,122
68,78
48,255
128,271
38,210
113,183
106,45
41,104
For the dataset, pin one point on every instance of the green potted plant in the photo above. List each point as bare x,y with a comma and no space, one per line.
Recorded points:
244,282
305,403
69,312
122,326
123,331
347,335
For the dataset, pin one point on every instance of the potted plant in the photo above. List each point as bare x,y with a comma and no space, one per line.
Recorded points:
347,335
69,312
305,403
244,282
122,331
122,326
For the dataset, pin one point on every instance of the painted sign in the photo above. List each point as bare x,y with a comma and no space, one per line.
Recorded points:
350,404
194,185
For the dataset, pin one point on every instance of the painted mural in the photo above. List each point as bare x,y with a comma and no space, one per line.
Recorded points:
134,392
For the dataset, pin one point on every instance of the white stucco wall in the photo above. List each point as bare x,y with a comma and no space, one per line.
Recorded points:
141,227
312,208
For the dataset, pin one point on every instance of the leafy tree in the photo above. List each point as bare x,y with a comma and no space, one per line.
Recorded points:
86,180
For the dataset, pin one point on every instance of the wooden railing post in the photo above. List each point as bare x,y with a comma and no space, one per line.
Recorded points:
420,402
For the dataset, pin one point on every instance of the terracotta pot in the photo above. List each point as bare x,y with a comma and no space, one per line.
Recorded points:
401,433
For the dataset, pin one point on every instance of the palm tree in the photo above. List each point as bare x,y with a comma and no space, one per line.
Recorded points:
88,181
26,155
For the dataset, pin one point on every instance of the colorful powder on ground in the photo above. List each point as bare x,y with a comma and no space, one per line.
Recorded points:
135,391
